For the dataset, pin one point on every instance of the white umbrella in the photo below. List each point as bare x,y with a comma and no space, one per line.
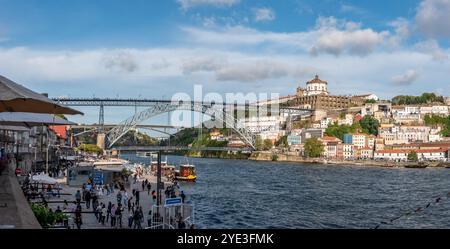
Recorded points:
43,178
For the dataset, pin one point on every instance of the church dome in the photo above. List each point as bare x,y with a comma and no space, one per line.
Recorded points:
316,80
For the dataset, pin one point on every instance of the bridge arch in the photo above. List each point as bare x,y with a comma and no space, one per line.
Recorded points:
115,134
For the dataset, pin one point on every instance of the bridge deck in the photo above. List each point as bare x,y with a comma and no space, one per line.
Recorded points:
179,148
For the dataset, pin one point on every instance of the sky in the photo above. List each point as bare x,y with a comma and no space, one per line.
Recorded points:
154,49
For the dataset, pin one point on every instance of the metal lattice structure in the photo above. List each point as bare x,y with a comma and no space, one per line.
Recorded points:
118,132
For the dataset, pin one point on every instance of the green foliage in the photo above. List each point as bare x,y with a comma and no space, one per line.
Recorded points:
413,156
274,158
435,120
412,100
282,142
136,138
313,148
267,144
370,101
45,217
339,131
259,145
90,148
369,125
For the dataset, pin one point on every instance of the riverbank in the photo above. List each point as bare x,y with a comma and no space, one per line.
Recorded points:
269,156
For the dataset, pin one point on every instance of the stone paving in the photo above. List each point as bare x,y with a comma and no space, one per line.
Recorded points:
89,219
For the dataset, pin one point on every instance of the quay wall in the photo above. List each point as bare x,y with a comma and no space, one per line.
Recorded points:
280,157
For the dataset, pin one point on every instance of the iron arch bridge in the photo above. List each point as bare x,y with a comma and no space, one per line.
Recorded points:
115,134
219,112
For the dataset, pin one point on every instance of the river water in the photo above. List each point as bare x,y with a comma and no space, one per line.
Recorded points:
249,194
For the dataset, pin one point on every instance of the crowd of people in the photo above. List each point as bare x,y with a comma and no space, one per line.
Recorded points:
125,206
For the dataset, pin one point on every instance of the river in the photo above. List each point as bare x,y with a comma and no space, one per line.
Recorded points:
250,194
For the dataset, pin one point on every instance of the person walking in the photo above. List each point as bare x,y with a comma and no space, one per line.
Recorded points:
104,214
109,211
130,220
78,220
143,185
137,198
154,196
137,219
119,198
113,215
129,203
87,198
125,198
183,196
119,211
149,187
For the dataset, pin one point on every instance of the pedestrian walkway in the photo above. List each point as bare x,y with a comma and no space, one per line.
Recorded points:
90,221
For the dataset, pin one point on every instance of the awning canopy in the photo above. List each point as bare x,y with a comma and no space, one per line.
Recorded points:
43,178
17,98
13,128
26,119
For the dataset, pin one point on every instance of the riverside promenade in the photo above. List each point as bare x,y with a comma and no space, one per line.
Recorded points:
15,212
89,219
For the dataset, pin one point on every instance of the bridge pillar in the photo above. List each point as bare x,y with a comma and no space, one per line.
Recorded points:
101,116
101,140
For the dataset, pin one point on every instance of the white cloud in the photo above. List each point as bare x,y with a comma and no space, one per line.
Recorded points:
336,37
121,61
432,47
187,4
405,79
433,18
402,28
264,14
330,36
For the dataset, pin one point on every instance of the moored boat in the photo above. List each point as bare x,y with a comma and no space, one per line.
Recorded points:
186,173
416,165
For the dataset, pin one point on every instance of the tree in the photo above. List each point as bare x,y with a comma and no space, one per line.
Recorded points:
259,145
369,125
313,148
282,142
339,131
90,148
268,144
412,100
412,156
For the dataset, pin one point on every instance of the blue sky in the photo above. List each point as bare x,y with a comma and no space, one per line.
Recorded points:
140,48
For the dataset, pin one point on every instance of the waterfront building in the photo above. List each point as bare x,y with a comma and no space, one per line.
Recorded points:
264,123
423,154
364,153
348,152
348,139
407,115
380,111
236,143
405,134
316,97
325,122
440,110
347,120
369,96
294,140
331,146
312,133
360,140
